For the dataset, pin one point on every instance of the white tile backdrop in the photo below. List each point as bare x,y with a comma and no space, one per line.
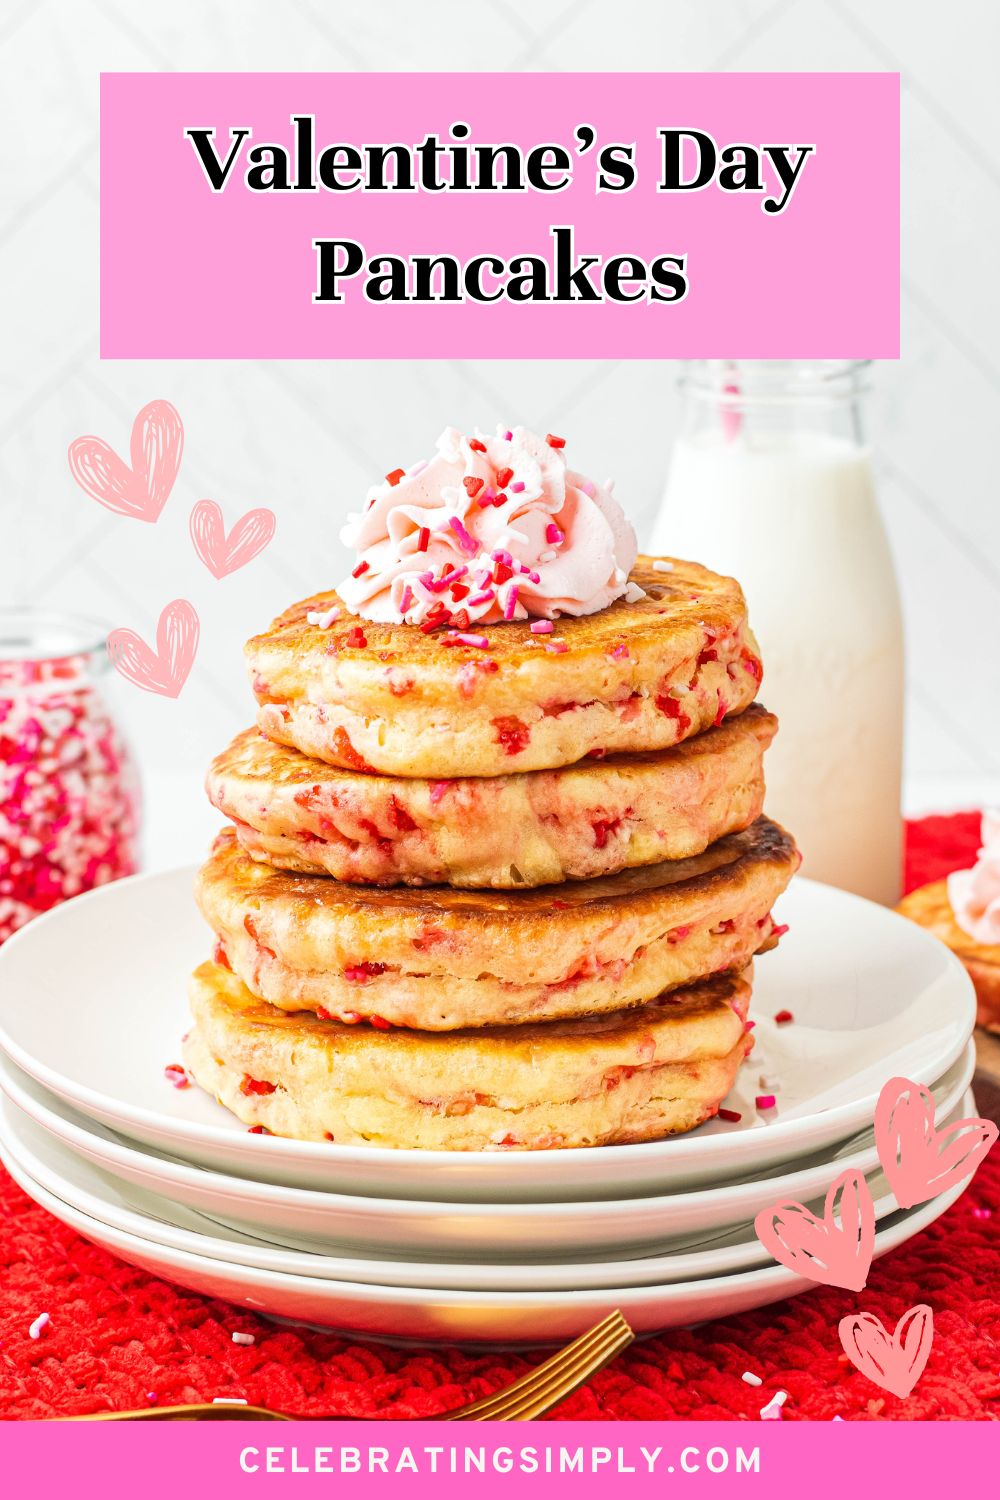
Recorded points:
307,438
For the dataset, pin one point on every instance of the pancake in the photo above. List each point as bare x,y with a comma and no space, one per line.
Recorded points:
930,907
440,959
662,1068
634,677
591,819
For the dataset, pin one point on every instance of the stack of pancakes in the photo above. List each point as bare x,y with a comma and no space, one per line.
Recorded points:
492,892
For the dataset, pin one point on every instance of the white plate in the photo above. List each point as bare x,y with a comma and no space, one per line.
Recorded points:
460,1317
94,1003
119,1206
406,1229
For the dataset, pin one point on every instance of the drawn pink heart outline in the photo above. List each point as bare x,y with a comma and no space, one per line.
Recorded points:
823,1250
166,669
224,554
918,1160
155,448
894,1362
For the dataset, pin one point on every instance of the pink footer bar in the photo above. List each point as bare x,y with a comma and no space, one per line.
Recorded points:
810,1461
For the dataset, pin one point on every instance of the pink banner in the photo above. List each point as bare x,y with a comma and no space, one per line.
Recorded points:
789,1461
535,216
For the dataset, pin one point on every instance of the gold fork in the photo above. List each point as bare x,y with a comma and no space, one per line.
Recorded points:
531,1396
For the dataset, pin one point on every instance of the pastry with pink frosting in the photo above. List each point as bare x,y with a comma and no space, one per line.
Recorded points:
975,894
964,912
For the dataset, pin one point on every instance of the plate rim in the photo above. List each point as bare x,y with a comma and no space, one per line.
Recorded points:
255,1190
774,1276
559,1268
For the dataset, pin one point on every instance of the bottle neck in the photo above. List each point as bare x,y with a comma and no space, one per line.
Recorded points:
762,401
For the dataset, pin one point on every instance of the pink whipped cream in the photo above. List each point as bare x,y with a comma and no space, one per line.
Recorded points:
975,894
489,529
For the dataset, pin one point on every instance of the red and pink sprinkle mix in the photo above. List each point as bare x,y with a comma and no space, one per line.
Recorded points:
69,803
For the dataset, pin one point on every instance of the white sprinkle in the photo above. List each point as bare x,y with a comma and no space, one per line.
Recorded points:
772,1411
323,618
660,565
244,1338
749,1378
836,1419
766,1082
547,556
229,1401
633,593
42,1321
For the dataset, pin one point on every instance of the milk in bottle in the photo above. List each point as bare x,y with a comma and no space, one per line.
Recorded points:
771,481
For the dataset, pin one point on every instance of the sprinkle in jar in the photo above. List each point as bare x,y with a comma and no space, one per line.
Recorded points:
69,803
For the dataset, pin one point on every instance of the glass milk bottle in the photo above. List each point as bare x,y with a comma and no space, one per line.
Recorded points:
771,482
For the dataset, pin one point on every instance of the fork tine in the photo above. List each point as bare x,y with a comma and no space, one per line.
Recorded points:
540,1398
550,1382
528,1405
554,1361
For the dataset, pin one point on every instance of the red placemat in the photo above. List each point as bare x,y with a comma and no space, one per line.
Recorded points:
119,1338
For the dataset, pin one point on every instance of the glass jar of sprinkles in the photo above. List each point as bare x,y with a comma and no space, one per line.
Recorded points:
69,795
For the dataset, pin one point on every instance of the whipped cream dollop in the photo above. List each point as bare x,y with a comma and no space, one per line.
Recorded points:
489,529
975,894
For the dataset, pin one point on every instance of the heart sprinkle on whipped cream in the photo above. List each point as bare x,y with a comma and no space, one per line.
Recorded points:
489,529
975,894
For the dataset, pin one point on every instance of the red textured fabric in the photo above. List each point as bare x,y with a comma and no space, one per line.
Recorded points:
119,1338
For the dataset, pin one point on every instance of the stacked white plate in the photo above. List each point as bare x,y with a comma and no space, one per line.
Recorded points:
497,1247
